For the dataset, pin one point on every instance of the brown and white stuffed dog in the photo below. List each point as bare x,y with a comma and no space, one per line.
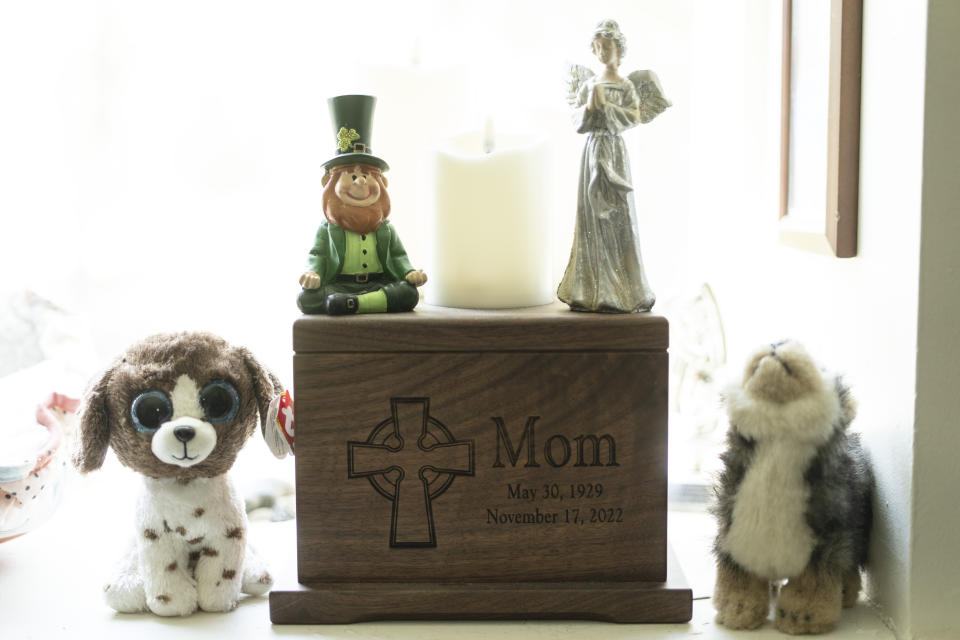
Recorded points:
177,408
793,499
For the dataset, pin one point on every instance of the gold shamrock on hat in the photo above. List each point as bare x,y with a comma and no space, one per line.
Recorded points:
345,137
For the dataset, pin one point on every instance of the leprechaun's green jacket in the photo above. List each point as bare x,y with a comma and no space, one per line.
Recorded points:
329,249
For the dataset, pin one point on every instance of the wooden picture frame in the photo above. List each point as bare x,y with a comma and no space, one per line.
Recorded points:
803,132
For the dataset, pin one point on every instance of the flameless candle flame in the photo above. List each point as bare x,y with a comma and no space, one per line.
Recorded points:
488,139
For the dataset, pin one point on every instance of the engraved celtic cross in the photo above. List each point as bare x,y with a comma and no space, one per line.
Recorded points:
410,459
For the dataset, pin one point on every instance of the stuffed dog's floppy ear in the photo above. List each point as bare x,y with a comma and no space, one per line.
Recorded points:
266,385
94,432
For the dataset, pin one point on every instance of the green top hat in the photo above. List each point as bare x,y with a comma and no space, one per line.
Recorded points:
352,118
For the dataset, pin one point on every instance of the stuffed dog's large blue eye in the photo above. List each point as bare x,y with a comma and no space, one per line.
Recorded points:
150,409
220,401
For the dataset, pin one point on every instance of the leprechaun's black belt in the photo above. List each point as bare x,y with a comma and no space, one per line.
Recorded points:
360,278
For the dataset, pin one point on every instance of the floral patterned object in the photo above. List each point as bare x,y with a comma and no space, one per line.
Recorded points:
30,493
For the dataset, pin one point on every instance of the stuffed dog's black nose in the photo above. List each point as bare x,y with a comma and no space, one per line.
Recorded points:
184,434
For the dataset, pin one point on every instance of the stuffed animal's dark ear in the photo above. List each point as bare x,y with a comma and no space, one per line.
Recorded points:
848,404
94,431
266,385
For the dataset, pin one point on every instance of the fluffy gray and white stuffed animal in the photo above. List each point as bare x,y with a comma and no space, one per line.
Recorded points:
793,501
177,408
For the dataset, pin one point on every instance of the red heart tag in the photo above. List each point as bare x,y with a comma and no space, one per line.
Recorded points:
285,417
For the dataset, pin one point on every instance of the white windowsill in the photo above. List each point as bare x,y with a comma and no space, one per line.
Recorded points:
50,585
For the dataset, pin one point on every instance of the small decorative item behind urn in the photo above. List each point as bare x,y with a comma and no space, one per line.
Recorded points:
605,272
793,499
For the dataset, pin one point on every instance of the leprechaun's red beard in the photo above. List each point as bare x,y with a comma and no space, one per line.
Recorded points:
359,219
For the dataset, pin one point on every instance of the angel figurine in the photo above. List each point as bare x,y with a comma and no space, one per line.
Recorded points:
605,271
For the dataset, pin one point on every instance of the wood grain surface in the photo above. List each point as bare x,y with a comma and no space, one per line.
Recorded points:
477,453
620,602
344,524
548,328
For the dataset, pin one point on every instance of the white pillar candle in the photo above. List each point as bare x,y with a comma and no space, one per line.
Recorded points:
490,221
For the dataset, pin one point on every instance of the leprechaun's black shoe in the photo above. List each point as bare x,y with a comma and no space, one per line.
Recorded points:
340,304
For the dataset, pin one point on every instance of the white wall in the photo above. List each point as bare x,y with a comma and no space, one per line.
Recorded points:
935,590
858,315
890,317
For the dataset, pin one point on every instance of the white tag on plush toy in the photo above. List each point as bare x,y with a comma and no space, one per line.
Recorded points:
279,432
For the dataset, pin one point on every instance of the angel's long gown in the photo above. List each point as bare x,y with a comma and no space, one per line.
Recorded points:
605,271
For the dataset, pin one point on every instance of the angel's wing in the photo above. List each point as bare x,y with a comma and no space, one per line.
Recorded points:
577,76
652,100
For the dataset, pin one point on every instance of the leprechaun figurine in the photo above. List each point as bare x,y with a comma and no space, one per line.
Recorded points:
357,264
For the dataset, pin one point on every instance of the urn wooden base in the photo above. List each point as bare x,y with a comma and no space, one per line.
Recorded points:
481,464
623,602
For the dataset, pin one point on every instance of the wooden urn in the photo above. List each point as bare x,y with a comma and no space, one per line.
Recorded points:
460,464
